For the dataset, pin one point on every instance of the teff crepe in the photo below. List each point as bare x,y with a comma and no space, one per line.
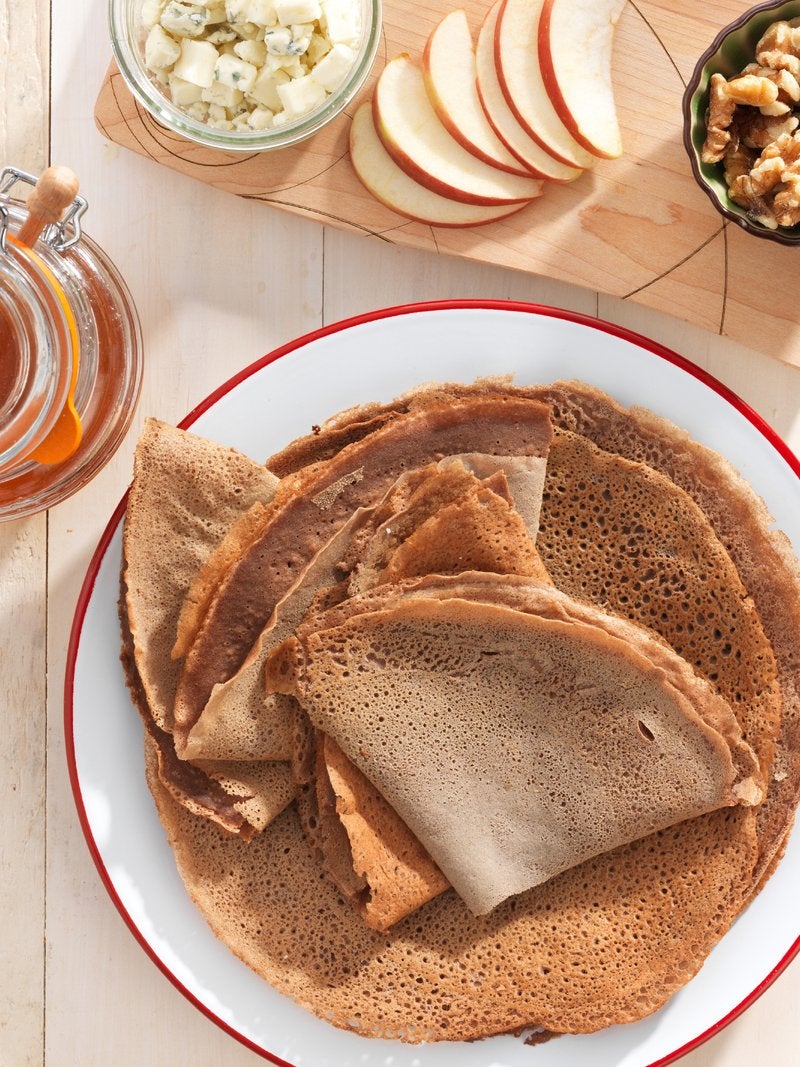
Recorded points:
186,494
516,744
760,561
311,506
448,522
445,975
241,721
398,874
764,561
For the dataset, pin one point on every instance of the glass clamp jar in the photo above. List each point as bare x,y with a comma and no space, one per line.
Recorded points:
158,94
70,346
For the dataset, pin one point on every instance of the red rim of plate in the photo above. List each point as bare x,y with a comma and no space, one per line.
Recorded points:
358,320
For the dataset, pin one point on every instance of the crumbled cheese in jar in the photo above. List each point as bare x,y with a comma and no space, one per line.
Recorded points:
250,64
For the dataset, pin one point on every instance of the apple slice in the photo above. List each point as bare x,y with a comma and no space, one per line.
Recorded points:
392,186
420,145
448,66
517,59
502,118
575,43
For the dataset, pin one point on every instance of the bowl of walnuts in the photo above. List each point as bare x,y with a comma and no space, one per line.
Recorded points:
741,126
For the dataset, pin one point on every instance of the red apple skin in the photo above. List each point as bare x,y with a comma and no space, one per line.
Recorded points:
524,171
545,176
512,208
510,100
553,88
530,169
422,177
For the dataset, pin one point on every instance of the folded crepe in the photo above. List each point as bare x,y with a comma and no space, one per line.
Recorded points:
761,680
397,875
450,522
750,586
514,744
357,839
313,504
455,520
685,556
186,495
240,720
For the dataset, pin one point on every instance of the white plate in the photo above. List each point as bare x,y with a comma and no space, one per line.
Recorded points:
279,398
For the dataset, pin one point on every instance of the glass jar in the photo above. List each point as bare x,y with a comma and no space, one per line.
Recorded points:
64,310
128,42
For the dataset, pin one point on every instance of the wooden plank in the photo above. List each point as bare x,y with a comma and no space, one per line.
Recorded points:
628,221
637,228
24,39
24,83
387,275
23,657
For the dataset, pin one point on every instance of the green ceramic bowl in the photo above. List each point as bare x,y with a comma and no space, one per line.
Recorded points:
732,49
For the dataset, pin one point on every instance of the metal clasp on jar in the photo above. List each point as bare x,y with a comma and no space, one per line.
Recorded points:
60,236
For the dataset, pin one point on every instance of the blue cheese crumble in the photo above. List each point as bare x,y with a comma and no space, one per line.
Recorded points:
250,64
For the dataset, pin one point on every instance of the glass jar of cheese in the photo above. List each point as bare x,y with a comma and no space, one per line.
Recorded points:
70,356
245,75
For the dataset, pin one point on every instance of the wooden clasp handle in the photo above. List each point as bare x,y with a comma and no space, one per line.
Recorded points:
54,192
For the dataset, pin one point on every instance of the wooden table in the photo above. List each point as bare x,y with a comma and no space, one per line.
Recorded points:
218,281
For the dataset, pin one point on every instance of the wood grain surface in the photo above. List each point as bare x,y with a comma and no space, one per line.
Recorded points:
24,118
218,281
637,228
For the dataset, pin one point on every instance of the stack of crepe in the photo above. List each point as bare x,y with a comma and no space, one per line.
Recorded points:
472,713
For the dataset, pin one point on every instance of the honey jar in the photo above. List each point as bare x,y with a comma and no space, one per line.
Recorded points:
70,346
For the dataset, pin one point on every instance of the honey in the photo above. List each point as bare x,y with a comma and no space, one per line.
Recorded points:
8,358
63,308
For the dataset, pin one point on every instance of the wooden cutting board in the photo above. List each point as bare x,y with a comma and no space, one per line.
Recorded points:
637,228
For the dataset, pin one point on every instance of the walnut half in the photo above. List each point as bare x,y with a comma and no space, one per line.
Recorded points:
718,119
770,190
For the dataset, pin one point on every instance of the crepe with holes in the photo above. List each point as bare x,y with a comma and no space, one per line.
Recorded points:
516,744
311,506
186,495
